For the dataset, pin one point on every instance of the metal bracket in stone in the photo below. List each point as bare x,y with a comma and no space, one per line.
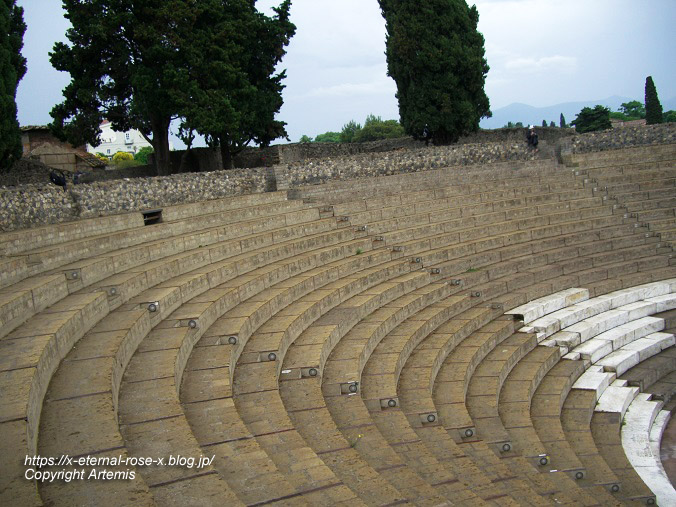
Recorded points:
540,460
151,306
349,388
227,340
467,433
72,274
503,447
576,474
299,373
387,403
267,356
429,418
613,487
191,323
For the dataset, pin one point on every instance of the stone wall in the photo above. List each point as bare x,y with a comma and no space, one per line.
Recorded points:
623,137
33,205
38,204
208,159
395,162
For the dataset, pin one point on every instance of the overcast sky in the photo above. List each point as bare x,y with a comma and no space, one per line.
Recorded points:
541,52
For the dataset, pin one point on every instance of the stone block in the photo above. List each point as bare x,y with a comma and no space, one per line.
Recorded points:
616,399
619,361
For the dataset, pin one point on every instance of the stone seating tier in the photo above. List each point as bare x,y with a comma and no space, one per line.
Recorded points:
245,339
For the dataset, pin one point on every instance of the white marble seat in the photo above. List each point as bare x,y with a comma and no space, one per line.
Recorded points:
548,304
640,439
617,397
586,316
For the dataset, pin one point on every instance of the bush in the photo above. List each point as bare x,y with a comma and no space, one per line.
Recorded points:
142,155
122,155
328,137
375,129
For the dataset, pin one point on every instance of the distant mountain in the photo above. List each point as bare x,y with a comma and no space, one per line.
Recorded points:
534,115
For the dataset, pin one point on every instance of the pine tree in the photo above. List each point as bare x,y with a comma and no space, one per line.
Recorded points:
653,108
12,69
235,92
562,122
436,57
591,120
141,64
125,66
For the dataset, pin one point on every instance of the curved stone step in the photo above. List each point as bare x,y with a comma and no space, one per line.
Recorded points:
255,384
343,451
207,395
638,421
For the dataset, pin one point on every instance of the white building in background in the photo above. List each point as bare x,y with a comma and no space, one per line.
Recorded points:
112,142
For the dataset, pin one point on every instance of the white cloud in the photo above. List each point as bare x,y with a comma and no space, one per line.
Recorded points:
556,63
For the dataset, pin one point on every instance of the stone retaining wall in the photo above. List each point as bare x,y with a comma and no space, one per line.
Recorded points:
39,204
33,205
623,137
395,162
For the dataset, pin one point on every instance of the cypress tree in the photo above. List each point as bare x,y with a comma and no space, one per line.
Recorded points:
653,108
436,57
12,69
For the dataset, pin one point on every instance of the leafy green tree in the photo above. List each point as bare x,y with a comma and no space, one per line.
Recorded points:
436,57
669,116
126,60
12,69
375,129
653,108
305,139
142,154
328,137
562,122
518,124
235,92
590,120
349,131
633,110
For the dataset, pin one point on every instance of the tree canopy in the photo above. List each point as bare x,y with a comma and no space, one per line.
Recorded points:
436,57
12,69
234,92
590,120
141,64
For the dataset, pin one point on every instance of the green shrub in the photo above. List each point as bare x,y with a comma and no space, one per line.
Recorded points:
142,154
328,137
